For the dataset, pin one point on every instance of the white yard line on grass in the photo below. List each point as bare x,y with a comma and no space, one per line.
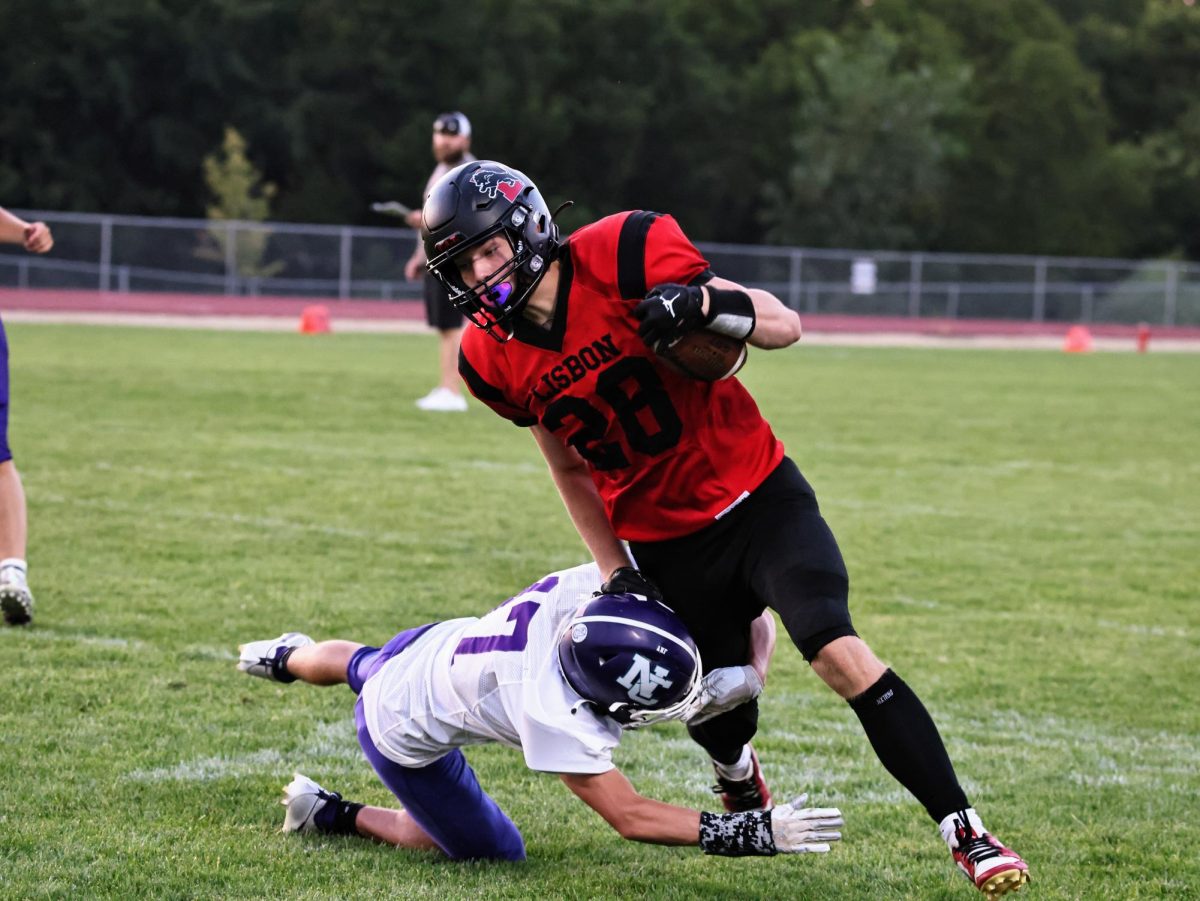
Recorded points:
208,652
1072,750
411,462
206,769
1138,629
329,742
102,641
258,522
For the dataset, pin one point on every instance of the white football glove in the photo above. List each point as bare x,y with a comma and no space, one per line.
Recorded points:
804,830
723,689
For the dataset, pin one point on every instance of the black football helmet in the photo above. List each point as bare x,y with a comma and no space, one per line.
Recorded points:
631,659
467,206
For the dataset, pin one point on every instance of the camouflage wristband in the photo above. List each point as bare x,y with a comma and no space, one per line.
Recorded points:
737,834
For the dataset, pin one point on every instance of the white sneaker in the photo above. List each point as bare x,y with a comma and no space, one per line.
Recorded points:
261,658
443,400
303,798
17,603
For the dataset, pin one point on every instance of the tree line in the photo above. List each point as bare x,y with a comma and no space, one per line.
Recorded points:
1024,126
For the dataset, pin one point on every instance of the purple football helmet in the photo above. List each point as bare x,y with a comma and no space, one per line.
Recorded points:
632,659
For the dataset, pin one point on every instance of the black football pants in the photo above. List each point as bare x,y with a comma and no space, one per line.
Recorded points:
772,550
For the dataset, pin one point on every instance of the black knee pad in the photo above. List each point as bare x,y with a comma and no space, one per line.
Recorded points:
816,610
812,645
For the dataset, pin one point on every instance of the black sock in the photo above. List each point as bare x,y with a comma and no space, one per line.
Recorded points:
279,667
337,816
908,744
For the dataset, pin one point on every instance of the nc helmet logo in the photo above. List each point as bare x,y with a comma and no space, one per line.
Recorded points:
642,680
491,182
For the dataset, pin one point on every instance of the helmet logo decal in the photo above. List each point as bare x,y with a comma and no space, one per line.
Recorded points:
493,181
578,633
641,681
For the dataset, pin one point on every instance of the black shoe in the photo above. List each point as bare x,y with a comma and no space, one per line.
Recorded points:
17,604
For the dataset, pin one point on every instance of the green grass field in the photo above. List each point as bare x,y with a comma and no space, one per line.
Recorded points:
1022,531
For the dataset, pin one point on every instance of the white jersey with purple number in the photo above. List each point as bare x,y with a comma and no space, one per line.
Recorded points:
494,678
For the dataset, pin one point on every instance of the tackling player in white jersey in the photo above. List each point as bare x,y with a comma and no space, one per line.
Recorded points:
553,672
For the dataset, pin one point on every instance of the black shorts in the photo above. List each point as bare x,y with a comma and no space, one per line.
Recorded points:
772,550
439,312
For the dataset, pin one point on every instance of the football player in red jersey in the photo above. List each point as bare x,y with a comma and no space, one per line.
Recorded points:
687,472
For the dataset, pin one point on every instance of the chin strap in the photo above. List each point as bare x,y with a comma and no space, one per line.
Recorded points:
614,710
581,705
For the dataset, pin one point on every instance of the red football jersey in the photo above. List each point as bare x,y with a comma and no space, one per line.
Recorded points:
669,454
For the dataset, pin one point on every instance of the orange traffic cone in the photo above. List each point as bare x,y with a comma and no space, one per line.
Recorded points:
314,320
1078,341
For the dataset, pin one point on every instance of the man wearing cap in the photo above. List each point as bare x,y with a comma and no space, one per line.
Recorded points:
451,146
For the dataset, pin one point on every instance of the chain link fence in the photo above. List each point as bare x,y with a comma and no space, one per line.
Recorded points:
197,256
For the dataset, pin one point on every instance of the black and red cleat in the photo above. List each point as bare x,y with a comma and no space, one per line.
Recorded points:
994,869
741,795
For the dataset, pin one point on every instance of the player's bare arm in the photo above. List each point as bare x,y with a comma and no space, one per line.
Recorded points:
775,325
579,496
34,236
12,227
634,816
762,644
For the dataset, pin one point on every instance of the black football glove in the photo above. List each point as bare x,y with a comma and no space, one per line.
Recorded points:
668,313
627,580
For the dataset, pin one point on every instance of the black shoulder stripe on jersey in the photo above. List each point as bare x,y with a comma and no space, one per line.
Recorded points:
485,390
631,254
479,387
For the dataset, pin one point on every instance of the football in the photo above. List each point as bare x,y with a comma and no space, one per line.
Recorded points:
705,355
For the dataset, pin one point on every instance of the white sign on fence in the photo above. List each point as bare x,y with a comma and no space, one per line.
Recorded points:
862,276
